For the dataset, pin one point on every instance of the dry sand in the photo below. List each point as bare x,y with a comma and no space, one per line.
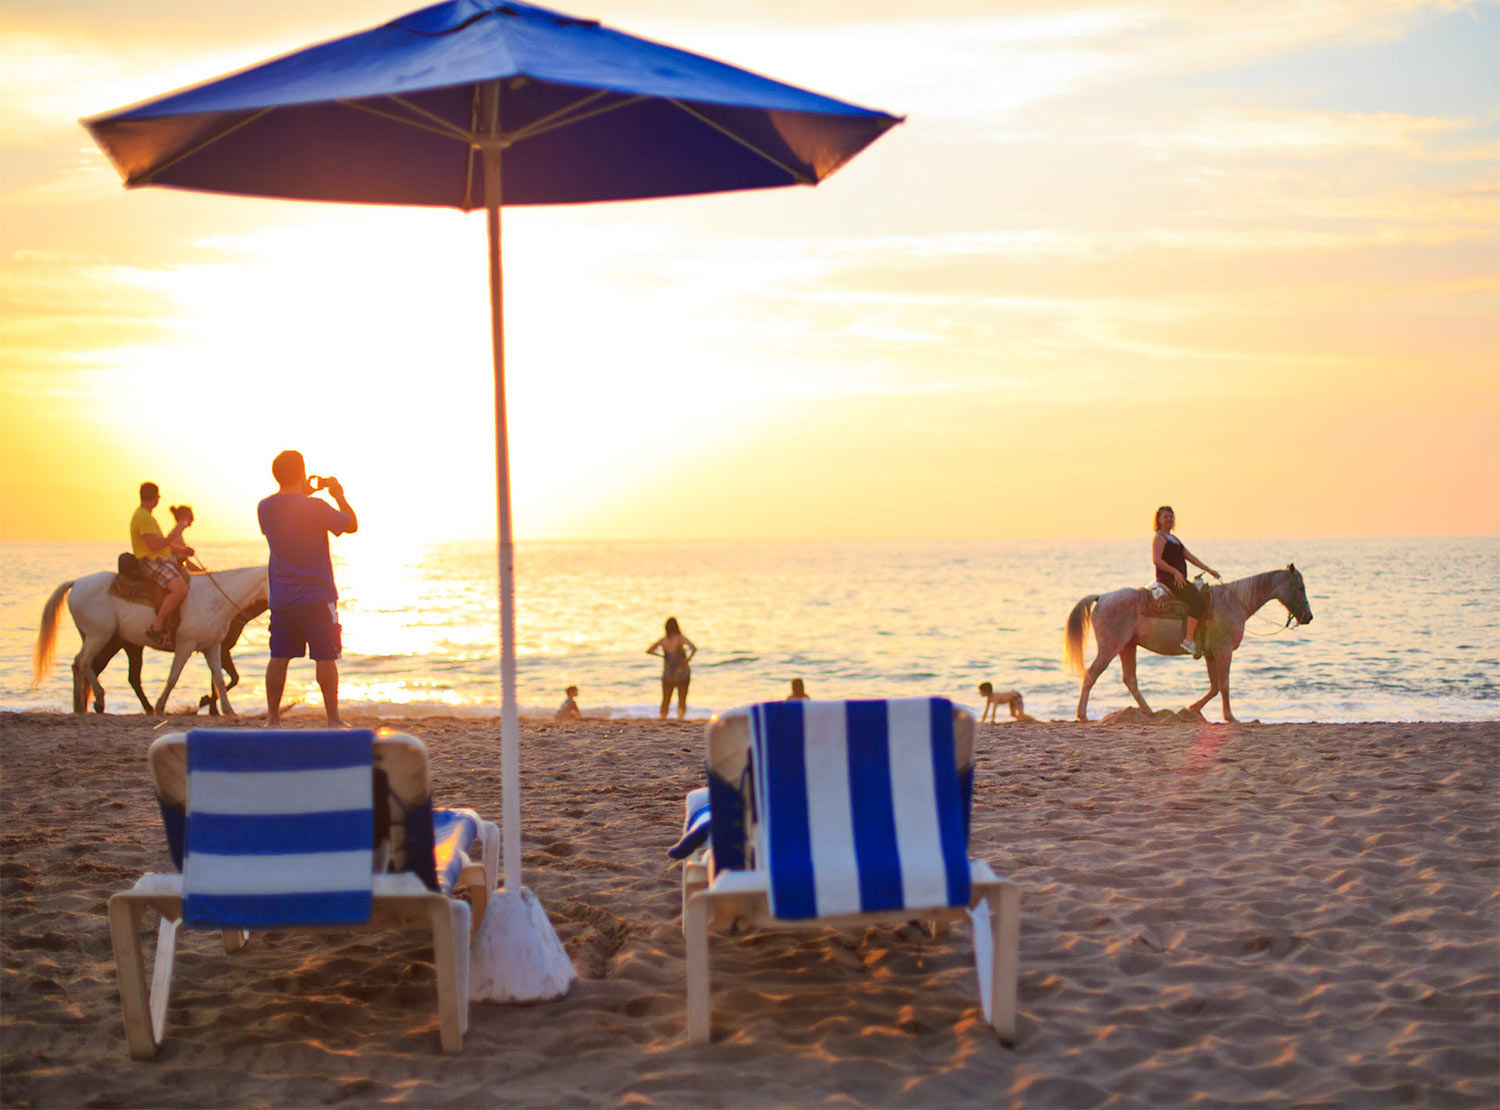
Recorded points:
1254,914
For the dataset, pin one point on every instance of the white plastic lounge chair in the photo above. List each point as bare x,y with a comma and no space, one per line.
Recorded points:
843,813
282,829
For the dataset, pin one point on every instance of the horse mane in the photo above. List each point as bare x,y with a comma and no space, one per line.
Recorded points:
1263,585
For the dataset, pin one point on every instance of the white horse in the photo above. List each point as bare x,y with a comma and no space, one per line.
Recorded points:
212,603
1120,626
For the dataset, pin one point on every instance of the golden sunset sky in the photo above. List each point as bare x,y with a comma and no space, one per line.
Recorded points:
1243,258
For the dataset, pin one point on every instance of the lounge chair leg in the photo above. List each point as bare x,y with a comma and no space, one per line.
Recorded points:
694,879
145,1015
450,949
997,937
695,928
489,834
471,886
161,974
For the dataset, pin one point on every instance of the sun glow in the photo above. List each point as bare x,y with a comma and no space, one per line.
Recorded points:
1099,227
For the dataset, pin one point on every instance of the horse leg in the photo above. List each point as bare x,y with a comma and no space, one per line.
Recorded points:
1127,674
1213,685
210,700
84,678
133,656
1205,699
179,660
1091,676
1221,664
101,660
214,669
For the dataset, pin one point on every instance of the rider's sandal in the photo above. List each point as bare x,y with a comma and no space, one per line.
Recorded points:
158,638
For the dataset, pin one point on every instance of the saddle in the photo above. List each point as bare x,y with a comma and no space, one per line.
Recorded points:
131,585
1167,607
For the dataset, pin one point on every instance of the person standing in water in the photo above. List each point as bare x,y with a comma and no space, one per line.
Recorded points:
676,651
1170,556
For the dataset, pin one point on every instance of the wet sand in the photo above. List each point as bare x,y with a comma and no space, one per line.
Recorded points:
1246,915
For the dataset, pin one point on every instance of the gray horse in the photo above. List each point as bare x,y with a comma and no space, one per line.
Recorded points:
1119,626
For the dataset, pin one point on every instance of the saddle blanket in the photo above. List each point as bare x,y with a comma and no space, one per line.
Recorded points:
132,586
1163,607
136,587
1158,604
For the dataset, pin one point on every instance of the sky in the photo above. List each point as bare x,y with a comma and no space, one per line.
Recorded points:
1239,257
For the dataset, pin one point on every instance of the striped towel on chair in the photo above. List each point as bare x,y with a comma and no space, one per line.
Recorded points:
280,828
859,804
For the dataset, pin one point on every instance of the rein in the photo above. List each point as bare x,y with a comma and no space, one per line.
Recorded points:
1276,630
210,576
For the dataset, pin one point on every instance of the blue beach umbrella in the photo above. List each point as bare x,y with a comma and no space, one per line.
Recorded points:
478,104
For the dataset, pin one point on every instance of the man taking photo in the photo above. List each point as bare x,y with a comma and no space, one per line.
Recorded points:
304,599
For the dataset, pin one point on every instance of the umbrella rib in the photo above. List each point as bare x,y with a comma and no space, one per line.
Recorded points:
473,150
795,174
443,127
147,177
560,118
457,132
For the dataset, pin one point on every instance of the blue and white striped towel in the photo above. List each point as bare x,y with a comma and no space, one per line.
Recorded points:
859,806
280,828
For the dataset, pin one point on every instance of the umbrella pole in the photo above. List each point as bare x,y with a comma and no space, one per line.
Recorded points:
510,723
515,956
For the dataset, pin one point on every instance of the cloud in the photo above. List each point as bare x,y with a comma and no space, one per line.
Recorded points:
1248,133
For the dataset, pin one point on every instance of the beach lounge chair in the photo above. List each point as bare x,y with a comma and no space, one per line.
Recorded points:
281,829
843,813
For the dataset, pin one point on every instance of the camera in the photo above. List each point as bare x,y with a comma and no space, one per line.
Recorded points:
317,483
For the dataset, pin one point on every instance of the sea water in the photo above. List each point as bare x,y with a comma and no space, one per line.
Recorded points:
1404,629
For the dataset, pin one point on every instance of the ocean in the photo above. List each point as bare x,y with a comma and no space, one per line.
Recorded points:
1404,629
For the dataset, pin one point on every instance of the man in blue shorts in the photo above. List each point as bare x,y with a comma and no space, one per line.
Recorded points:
304,599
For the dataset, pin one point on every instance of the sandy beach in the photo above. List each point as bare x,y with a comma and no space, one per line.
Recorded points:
1212,915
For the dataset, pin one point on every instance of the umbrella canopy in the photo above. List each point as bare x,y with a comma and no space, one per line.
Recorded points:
475,103
396,115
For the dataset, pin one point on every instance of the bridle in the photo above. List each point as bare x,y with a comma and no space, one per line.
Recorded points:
1292,618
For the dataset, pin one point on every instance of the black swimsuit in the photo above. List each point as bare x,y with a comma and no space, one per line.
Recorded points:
1175,555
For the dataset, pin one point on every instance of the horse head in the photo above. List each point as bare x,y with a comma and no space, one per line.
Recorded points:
1294,597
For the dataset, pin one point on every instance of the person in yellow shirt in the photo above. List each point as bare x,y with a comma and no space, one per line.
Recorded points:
158,555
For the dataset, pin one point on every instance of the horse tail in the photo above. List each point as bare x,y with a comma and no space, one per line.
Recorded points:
1080,621
46,636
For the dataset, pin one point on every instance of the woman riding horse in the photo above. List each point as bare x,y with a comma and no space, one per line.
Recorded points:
1171,557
